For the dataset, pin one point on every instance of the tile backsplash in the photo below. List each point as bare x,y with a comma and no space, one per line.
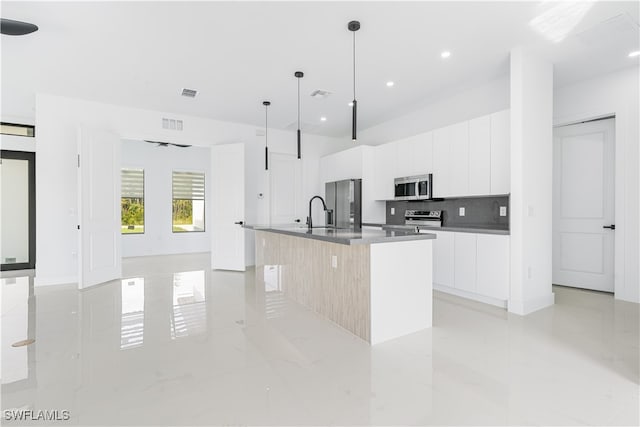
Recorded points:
481,211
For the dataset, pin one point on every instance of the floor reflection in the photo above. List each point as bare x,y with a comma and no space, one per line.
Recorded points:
132,320
274,298
17,325
250,356
189,315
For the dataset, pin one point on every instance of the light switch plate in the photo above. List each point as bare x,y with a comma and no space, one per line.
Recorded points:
334,261
393,211
503,211
461,211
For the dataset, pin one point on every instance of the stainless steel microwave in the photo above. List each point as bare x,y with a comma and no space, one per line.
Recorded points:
418,187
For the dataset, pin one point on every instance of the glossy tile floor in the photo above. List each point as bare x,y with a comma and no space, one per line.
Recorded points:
175,343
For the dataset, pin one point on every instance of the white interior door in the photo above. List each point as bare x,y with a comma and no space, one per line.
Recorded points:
285,188
99,162
227,242
583,204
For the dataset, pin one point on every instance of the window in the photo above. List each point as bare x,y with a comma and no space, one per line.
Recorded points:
188,201
17,130
132,201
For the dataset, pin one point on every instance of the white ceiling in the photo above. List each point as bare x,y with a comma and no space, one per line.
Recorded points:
237,54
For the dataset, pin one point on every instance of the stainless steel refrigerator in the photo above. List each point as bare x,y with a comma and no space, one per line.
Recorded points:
344,203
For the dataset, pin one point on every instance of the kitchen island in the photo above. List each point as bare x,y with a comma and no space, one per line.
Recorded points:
377,284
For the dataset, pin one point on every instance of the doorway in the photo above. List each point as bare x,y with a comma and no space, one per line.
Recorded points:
584,205
18,183
285,189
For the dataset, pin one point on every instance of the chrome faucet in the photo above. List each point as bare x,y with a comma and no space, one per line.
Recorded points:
324,206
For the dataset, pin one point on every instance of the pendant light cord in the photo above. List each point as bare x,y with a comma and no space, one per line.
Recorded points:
266,125
354,65
298,103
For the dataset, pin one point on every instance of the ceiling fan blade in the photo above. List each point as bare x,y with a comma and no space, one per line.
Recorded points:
166,144
10,27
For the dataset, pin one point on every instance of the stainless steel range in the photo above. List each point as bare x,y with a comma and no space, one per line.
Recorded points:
423,219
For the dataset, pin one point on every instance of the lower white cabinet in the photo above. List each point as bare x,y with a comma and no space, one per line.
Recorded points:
443,255
464,261
472,265
493,266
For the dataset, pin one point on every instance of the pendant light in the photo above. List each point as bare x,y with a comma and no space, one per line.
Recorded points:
354,26
266,138
299,75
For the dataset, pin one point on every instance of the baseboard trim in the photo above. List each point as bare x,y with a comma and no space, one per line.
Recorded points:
54,281
470,295
524,307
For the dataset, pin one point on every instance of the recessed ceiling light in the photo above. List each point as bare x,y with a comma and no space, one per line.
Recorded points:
323,119
634,54
350,104
445,54
389,84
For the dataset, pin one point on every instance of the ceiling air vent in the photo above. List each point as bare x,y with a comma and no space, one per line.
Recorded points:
171,124
189,93
320,94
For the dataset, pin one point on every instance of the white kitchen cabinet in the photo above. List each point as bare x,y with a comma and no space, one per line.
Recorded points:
422,154
480,156
464,261
405,153
500,153
493,266
459,172
441,162
443,258
345,164
385,158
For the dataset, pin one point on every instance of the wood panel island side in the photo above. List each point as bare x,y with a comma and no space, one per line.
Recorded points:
377,284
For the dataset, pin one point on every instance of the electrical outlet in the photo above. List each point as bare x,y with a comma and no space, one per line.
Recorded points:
503,211
334,261
461,211
393,211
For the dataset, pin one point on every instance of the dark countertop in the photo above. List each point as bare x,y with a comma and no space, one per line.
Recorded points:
366,236
478,230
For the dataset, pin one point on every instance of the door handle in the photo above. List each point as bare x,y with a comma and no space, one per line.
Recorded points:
239,222
612,226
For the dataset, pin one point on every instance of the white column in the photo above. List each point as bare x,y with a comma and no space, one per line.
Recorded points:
531,180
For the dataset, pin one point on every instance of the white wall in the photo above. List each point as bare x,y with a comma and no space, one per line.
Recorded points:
451,108
57,120
158,164
531,182
615,93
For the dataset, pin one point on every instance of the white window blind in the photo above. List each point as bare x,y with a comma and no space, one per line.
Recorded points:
188,185
133,183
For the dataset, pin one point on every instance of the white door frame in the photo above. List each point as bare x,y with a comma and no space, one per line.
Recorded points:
619,180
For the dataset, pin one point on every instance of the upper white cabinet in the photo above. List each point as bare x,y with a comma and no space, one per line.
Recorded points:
422,154
500,153
480,156
441,162
459,172
415,155
405,151
345,164
385,170
469,158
